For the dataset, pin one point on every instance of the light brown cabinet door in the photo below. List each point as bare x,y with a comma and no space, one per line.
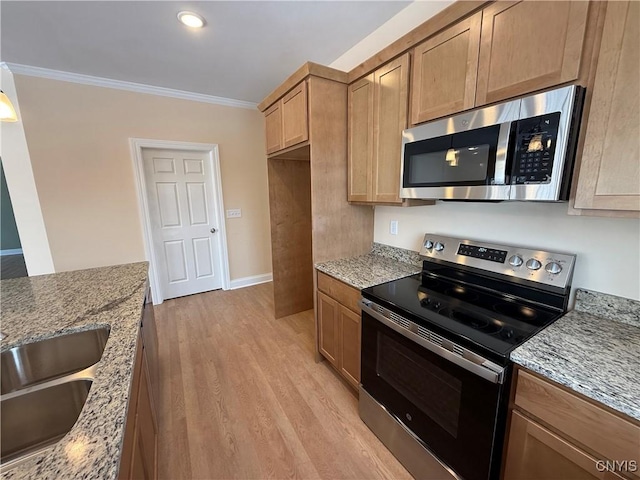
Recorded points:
609,176
273,127
534,452
527,46
360,140
444,71
146,428
390,102
294,116
329,329
350,337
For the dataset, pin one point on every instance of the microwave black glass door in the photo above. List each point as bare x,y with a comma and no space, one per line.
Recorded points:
461,159
450,409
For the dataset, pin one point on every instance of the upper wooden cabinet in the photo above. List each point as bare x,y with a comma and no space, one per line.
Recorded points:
609,176
527,46
286,121
377,115
444,71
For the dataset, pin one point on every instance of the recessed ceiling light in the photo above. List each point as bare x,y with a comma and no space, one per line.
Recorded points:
191,19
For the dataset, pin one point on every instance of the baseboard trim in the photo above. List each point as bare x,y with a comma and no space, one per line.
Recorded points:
11,251
252,280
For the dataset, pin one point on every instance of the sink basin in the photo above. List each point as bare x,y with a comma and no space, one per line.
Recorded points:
38,362
37,419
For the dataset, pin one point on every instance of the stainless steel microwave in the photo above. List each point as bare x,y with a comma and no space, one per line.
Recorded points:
522,149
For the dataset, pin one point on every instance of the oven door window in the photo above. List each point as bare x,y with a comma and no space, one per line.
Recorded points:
461,159
451,410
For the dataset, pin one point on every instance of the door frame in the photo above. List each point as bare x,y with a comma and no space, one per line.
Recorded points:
216,204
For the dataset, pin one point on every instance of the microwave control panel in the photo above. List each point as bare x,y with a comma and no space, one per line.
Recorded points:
535,148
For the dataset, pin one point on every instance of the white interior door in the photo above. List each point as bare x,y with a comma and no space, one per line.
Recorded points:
184,220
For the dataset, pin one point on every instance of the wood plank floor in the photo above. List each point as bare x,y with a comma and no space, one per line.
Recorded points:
242,397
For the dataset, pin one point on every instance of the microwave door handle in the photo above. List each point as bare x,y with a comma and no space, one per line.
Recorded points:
502,154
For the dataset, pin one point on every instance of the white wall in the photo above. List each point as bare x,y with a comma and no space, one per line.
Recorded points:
607,248
22,187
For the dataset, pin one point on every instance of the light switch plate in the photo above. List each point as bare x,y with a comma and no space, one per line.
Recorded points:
234,213
393,227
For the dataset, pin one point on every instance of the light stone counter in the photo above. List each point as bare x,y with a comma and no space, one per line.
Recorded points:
594,350
35,308
382,264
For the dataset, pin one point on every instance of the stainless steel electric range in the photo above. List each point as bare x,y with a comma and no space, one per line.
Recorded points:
435,350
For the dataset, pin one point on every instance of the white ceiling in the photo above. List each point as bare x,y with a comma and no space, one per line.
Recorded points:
247,49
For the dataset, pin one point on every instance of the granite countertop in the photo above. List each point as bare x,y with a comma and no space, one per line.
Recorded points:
382,264
35,308
594,350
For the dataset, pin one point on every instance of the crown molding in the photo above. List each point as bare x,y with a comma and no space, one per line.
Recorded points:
31,71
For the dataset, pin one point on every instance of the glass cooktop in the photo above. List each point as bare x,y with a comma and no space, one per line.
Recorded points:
494,322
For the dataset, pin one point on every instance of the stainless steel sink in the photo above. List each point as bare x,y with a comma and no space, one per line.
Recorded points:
41,361
35,419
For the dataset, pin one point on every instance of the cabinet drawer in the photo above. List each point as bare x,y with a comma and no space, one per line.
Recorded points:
596,428
343,293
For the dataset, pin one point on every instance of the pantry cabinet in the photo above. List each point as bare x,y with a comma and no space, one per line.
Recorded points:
286,121
527,46
444,71
556,433
339,326
377,116
609,176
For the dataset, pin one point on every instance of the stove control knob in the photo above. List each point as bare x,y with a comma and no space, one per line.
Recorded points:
553,268
439,246
428,244
533,264
436,305
515,260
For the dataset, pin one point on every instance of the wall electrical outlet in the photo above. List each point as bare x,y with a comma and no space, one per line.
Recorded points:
234,213
393,227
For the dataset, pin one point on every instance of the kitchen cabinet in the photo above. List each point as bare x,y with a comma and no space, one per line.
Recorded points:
609,174
527,46
444,71
555,433
311,220
139,448
339,334
286,121
377,116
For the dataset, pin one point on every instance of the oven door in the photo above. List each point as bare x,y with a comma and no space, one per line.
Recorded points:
454,411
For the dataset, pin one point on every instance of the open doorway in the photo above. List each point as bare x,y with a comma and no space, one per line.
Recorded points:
12,264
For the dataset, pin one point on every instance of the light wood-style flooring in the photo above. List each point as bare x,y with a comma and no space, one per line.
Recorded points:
242,396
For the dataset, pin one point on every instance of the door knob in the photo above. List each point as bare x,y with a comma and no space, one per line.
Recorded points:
214,230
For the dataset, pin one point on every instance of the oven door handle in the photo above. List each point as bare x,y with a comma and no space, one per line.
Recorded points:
468,360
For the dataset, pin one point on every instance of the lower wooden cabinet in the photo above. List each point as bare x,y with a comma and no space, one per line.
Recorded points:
339,327
139,448
555,433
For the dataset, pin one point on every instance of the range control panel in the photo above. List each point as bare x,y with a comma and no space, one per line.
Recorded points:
536,265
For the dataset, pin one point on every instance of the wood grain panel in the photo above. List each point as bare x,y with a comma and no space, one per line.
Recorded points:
350,341
273,128
525,48
611,436
445,70
391,97
329,329
343,293
339,229
536,453
360,149
609,176
294,116
290,214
